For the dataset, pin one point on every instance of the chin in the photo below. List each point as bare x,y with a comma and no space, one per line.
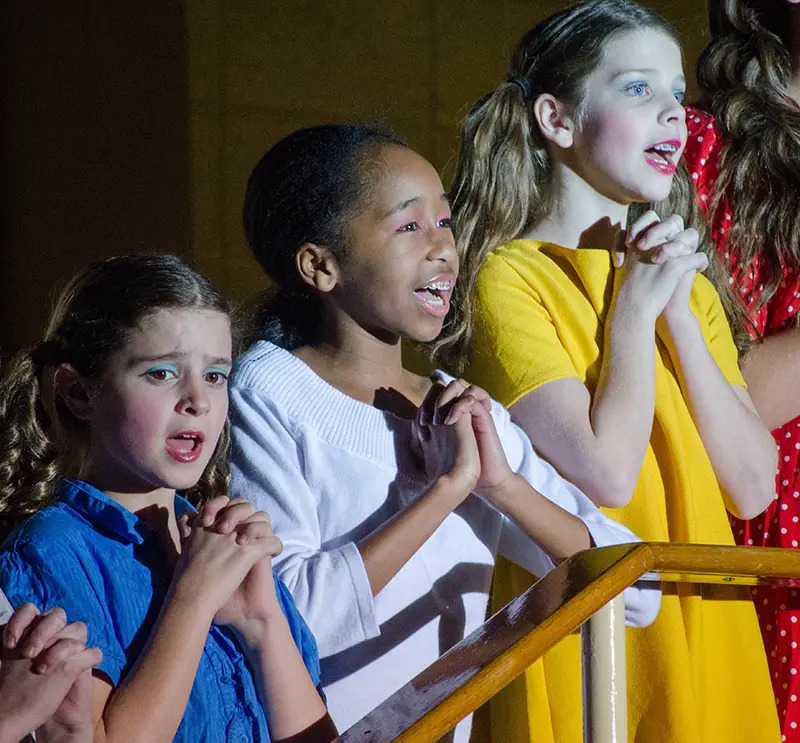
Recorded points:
426,335
655,192
183,481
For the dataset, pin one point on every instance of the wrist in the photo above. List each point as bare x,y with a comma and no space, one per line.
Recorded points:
633,312
679,328
189,595
500,493
458,484
500,489
258,632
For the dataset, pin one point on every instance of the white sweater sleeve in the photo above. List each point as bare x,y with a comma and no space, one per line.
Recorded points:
5,610
329,586
641,602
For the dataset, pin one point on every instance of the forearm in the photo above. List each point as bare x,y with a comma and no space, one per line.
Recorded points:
741,449
772,371
621,415
149,705
392,545
289,697
559,533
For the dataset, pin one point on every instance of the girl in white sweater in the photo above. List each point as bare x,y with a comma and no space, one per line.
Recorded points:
392,492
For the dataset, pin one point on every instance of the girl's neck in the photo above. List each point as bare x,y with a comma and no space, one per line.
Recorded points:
582,217
154,506
365,367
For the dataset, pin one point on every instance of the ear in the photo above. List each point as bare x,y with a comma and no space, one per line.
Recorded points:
554,120
73,389
317,267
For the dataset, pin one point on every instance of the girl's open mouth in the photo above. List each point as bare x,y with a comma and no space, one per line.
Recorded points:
661,156
435,296
185,446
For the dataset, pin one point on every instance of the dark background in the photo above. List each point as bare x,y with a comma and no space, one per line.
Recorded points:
131,126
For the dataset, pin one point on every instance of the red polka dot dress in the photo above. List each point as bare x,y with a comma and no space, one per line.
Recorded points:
779,526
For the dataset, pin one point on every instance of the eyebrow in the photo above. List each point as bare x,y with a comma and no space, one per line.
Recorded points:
648,70
213,361
408,202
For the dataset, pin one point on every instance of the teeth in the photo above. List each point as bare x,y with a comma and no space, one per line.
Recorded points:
441,286
438,301
665,148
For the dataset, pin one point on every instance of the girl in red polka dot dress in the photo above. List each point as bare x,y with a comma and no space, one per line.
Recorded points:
744,158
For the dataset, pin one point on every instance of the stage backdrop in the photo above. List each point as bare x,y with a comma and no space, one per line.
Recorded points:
131,126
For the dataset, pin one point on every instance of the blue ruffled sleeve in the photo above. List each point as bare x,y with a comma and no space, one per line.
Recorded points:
33,571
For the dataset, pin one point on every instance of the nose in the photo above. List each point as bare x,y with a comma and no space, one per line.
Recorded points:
673,111
194,398
443,248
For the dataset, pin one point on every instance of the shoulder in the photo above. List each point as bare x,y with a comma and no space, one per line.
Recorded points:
56,529
260,366
520,257
48,556
512,273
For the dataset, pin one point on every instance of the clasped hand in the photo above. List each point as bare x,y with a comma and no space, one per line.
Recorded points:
45,676
656,265
226,556
458,439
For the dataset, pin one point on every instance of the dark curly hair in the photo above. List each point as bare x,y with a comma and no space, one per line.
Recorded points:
39,437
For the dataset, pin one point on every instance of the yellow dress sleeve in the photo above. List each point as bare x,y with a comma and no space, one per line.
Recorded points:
515,345
708,309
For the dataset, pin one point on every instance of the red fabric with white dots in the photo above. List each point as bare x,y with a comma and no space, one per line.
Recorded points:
779,526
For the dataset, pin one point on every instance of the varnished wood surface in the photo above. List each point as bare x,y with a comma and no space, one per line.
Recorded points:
484,662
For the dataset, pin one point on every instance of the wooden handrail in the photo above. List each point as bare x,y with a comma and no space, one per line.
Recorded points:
483,663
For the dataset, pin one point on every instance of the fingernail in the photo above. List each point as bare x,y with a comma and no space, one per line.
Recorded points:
31,651
10,640
40,668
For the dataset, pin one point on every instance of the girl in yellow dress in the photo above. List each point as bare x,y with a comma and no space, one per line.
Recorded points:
582,308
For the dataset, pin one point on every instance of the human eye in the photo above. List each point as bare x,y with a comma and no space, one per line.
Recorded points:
216,376
162,372
409,227
448,223
637,89
679,94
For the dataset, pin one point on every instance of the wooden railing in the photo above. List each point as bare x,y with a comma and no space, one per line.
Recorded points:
477,668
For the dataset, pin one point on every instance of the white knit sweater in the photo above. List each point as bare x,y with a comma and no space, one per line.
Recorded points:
329,470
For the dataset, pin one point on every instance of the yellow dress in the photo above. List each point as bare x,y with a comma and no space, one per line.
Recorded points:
699,673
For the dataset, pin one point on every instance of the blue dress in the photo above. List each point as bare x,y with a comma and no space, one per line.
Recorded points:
106,567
